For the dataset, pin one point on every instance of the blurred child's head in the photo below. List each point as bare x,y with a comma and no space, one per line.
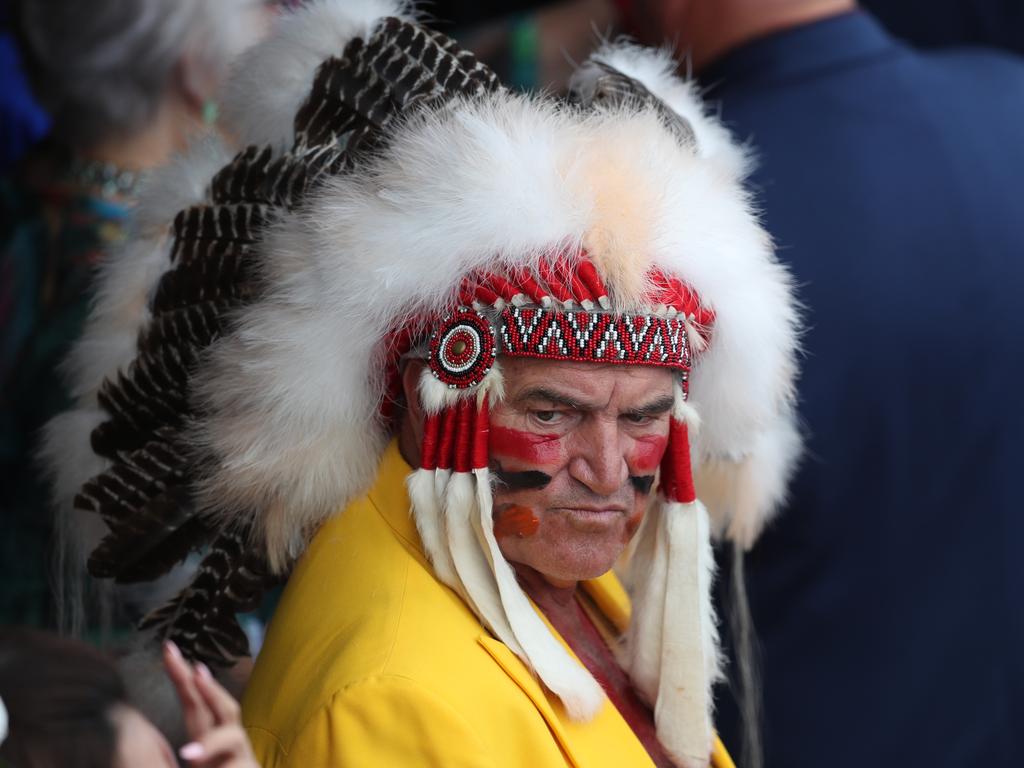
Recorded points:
67,708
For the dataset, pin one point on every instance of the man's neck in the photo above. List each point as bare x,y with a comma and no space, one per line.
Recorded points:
558,601
715,28
545,592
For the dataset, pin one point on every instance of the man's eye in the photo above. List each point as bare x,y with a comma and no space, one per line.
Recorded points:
639,419
547,417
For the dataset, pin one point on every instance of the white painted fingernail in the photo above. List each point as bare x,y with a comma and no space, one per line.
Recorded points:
192,751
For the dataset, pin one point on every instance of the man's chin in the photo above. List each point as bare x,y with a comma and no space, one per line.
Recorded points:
584,569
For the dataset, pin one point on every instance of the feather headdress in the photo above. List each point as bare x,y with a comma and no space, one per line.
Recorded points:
420,206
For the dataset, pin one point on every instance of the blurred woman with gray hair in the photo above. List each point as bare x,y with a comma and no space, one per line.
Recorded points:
127,83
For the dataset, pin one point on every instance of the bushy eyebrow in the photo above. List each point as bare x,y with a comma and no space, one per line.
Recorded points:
656,408
545,394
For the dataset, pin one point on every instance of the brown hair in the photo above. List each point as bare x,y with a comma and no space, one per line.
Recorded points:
59,695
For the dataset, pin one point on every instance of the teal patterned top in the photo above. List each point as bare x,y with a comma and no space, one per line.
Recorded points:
53,231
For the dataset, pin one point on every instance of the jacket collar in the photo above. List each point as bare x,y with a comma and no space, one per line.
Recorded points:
390,497
802,51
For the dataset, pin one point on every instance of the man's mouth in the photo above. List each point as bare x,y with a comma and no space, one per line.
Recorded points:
592,519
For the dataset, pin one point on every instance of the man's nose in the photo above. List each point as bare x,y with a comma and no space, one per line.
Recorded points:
598,460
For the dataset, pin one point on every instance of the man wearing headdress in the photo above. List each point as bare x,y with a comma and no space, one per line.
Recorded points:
470,351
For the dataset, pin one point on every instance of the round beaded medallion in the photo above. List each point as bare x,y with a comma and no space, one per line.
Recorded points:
462,349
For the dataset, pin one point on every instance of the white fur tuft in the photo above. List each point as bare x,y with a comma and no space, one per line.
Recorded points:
742,492
656,70
435,395
67,458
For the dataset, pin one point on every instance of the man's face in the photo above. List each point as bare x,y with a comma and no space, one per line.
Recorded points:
575,447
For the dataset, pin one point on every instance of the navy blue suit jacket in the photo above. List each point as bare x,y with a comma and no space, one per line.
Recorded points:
889,595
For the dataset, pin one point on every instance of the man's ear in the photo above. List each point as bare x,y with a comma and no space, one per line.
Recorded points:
411,387
411,429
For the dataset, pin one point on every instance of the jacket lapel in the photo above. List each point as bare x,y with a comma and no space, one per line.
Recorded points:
608,736
522,677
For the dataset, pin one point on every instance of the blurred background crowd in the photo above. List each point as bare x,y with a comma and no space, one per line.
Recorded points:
889,135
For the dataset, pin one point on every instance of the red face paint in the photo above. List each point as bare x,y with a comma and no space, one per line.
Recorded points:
647,454
525,446
517,521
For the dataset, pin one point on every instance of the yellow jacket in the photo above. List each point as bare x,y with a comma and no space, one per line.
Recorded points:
371,662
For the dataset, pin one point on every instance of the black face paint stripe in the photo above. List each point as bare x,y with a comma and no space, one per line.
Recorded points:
642,483
522,481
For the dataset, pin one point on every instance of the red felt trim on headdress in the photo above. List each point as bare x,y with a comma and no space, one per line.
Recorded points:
676,470
463,461
431,434
530,286
588,275
673,292
549,274
576,287
485,295
503,287
446,443
481,430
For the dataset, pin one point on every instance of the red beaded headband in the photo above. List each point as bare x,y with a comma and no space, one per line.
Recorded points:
463,348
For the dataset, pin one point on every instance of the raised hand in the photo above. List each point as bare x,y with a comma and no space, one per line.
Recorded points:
212,717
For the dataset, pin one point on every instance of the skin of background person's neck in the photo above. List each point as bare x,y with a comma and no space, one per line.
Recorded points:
166,133
702,31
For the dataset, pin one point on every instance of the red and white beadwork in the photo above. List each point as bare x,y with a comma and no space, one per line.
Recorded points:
595,337
462,349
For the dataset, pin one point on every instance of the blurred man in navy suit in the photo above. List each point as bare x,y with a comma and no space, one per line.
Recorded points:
889,596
